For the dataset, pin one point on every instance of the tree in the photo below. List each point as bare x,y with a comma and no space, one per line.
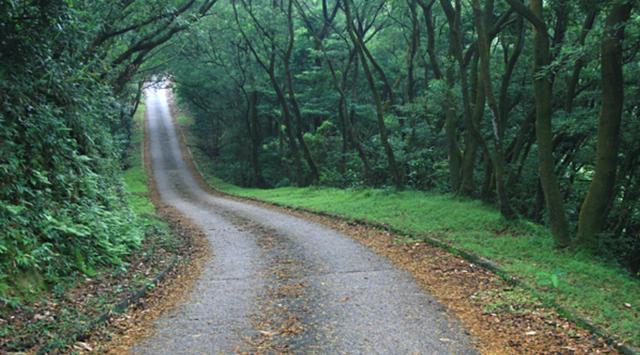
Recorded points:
482,17
596,205
269,65
358,42
543,97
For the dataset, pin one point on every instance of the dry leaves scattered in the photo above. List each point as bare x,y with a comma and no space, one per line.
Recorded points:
501,318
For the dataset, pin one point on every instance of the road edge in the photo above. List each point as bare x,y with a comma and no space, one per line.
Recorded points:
175,284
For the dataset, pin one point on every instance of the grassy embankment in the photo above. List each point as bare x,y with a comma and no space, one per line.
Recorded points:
580,283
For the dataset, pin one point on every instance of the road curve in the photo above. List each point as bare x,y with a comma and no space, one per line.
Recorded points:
278,283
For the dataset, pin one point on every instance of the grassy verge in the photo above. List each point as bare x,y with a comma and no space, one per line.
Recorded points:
135,176
604,294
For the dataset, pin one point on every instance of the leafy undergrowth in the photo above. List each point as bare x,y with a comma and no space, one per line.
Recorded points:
603,293
59,319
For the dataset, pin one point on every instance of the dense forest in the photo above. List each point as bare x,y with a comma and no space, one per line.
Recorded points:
531,106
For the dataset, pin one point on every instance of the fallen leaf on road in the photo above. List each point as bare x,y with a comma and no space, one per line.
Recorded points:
267,333
83,346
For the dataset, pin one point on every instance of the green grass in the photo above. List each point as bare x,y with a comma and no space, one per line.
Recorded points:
135,177
591,288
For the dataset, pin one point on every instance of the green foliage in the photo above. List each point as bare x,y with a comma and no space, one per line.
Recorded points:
61,200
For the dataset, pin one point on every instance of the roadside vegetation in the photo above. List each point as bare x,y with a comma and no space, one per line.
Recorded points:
69,86
79,305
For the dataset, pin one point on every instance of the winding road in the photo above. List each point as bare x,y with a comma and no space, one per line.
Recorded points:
277,283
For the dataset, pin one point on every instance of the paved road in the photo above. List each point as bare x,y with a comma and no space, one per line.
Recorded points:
277,283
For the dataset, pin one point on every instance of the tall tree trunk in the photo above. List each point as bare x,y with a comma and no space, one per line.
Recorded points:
469,156
315,175
595,207
503,100
456,44
451,131
398,176
288,127
344,113
482,17
254,131
543,97
454,155
412,51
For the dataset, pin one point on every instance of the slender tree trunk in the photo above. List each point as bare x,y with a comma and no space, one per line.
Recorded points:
351,119
388,96
344,113
451,120
482,17
469,156
254,129
572,83
489,179
412,51
398,176
595,207
315,175
431,37
543,97
451,131
503,101
288,127
456,43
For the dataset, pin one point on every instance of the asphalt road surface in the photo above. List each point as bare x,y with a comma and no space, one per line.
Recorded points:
277,283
